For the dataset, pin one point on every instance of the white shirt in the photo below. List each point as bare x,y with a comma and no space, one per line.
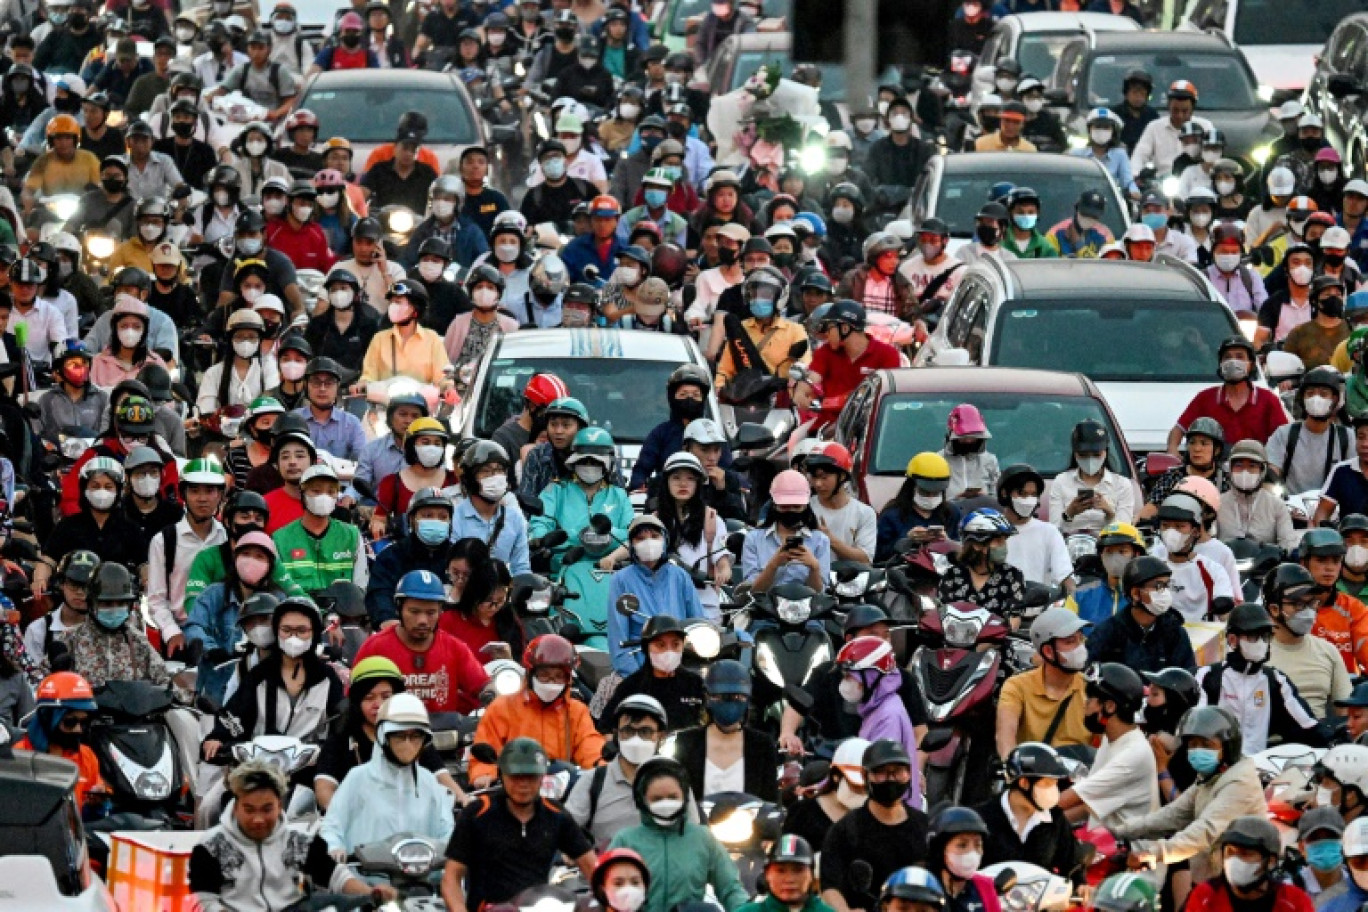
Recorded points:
1216,552
1034,820
917,271
1123,782
36,633
65,303
46,327
1190,595
1159,146
585,165
695,555
374,282
1039,552
241,389
731,779
1178,245
855,524
1117,489
167,605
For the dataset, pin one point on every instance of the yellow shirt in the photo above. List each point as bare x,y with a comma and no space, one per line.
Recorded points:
422,357
132,252
992,142
1025,693
50,175
782,334
1340,359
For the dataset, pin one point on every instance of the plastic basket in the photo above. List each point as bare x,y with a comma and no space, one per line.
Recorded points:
150,872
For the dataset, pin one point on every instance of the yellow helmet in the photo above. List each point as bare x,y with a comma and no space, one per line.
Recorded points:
63,124
420,427
930,467
1119,533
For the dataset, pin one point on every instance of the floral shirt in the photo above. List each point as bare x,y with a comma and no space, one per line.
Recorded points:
1003,594
1166,483
12,646
99,656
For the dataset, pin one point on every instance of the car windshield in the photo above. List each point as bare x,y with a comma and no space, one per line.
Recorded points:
1026,429
367,114
1223,83
1097,338
963,195
625,397
685,10
747,62
1038,52
1280,22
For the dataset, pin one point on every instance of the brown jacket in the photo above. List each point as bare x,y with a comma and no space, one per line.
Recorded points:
853,286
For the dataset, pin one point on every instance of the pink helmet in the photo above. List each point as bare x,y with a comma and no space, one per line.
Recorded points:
260,539
1203,490
329,177
965,421
790,489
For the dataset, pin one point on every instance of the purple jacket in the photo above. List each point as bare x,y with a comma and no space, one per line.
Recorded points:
884,716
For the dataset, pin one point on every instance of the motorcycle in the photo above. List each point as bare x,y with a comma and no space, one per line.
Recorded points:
289,755
854,583
1254,560
789,625
1025,887
746,827
409,863
145,764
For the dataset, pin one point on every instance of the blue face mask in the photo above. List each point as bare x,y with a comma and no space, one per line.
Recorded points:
432,532
1325,855
1204,760
727,713
656,198
1154,220
1025,221
674,172
762,309
111,618
650,142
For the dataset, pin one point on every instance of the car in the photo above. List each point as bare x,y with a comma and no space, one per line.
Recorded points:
1035,40
619,375
1279,39
677,24
895,414
1338,91
365,107
1091,69
738,57
954,187
1146,333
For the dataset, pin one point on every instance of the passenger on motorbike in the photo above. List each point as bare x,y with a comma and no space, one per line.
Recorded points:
1037,549
293,691
99,526
679,690
687,392
849,523
254,622
841,364
144,503
1202,587
1032,706
546,461
870,683
1262,697
470,333
292,453
568,503
74,400
725,755
481,615
1122,781
789,879
920,513
954,856
425,546
73,573
488,511
973,470
1305,451
133,425
1251,849
544,710
980,572
1117,545
620,881
526,427
1030,805
1249,509
660,587
1354,568
843,790
1342,619
1340,780
384,456
1314,664
65,707
789,546
1320,832
110,647
425,458
1145,634
213,617
725,490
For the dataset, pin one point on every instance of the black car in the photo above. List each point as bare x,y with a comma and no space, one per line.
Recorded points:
1338,91
1091,69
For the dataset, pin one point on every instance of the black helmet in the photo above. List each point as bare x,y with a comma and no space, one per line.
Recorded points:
861,616
846,313
132,277
1118,683
484,272
249,220
1323,376
653,769
110,582
689,374
1034,760
728,676
435,246
1179,686
1252,833
367,228
1217,723
1249,617
884,752
1239,342
658,625
242,502
1354,522
848,191
1142,570
791,849
1089,436
1139,76
225,176
1321,542
345,276
947,823
1288,581
1013,478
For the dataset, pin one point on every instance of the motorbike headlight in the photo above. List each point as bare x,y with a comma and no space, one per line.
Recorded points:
1170,186
507,681
961,632
64,207
152,786
794,611
853,588
813,159
1022,897
99,246
539,602
548,904
414,856
231,426
769,666
737,828
400,221
73,447
1260,155
705,640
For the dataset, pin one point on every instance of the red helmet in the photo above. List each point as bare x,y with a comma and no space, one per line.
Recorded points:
867,652
301,118
63,686
549,649
830,455
544,389
607,860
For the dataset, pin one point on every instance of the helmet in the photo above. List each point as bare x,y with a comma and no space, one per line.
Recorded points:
63,125
847,313
76,567
1239,342
984,524
1014,478
791,849
1120,534
691,374
646,521
1119,683
1034,760
704,431
1325,375
641,704
685,461
67,689
430,497
544,389
1178,685
111,582
141,456
1181,508
931,470
1288,581
1321,542
420,584
423,427
867,652
376,668
318,470
915,885
481,453
1203,490
1126,893
1217,723
569,407
612,857
1248,617
768,276
592,443
952,821
1253,833
1142,570
790,489
26,271
829,456
884,752
879,243
103,465
728,677
402,712
1053,624
549,276
550,650
1348,765
484,272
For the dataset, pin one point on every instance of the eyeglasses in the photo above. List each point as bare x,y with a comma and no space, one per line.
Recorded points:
301,632
638,731
413,737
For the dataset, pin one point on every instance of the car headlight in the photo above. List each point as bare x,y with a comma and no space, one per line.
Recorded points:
99,246
414,856
794,611
705,640
736,828
1265,92
769,666
152,786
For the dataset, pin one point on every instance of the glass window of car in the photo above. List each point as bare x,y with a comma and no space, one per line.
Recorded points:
623,395
368,113
972,300
978,331
1222,78
1068,66
1097,338
1039,52
684,10
962,195
1026,429
1280,22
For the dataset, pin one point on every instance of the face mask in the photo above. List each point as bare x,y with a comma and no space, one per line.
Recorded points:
667,662
656,198
963,865
673,172
1300,623
1025,506
1356,556
1227,262
1243,873
251,570
273,206
129,338
1201,220
76,374
1005,84
1325,855
1154,220
572,144
321,504
1075,659
185,35
727,713
1090,465
244,349
848,797
1026,221
430,270
256,147
283,26
149,232
1225,187
929,251
443,209
112,618
146,485
554,168
1234,370
1254,650
630,276
1095,723
1086,223
101,500
341,298
1114,564
114,185
1100,137
294,647
1174,540
1301,274
1332,306
252,295
627,898
1327,175
900,123
329,200
21,86
399,313
842,215
261,636
507,253
1203,760
1246,481
494,487
649,550
628,111
928,502
1034,105
1334,258
1046,794
1160,601
852,691
666,810
997,555
249,246
302,213
987,235
547,692
485,298
429,457
888,793
432,532
589,473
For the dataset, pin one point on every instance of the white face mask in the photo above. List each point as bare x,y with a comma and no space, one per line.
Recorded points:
494,487
629,276
1091,465
321,504
848,797
1160,601
649,550
146,485
273,206
252,295
666,810
1046,794
1115,564
1328,175
1225,187
255,147
341,298
963,865
1325,797
1227,262
637,751
589,473
1005,84
150,231
102,499
547,692
429,457
667,662
292,370
1211,156
245,349
329,200
1100,137
1301,274
928,502
294,647
1243,873
1025,506
223,199
1175,540
1075,659
628,111
431,270
507,253
261,636
572,144
399,313
1318,406
865,125
900,123
303,213
851,690
129,338
842,215
1254,650
1246,481
443,209
1201,220
1034,105
485,298
1356,557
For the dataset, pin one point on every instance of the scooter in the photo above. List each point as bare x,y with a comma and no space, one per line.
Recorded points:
1254,560
788,625
141,760
408,862
1025,887
746,826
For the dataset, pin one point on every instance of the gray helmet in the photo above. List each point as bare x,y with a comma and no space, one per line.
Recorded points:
480,453
549,276
1217,723
1252,833
1208,427
111,582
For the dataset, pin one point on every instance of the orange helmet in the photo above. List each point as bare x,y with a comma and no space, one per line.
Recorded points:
63,125
65,688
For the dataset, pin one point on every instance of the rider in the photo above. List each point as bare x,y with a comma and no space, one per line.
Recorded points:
1202,587
318,549
660,587
1241,409
99,526
1037,549
73,401
1046,703
870,683
954,857
1251,849
920,513
212,619
65,707
570,503
726,755
1354,568
1145,634
980,573
1117,545
849,523
1033,772
133,425
687,392
788,546
406,348
1112,497
73,573
527,426
1341,780
1251,508
546,461
790,884
1304,451
1313,664
1342,619
679,691
111,647
487,512
1122,781
841,364
765,341
424,546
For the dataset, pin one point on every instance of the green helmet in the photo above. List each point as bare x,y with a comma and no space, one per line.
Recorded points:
568,407
206,470
592,438
1126,893
1358,340
522,757
1321,543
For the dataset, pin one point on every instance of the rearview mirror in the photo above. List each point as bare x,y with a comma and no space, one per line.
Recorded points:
798,349
1005,881
752,436
628,605
531,505
483,752
601,524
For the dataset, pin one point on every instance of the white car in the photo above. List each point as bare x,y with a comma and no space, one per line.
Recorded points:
1034,40
1146,333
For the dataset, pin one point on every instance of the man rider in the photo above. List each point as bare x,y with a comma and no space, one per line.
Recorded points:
1122,782
1342,619
423,547
1305,451
1033,772
1145,634
1312,663
525,427
1033,704
848,355
1241,408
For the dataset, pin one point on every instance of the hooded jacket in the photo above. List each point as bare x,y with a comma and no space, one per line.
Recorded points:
380,799
883,715
684,859
563,728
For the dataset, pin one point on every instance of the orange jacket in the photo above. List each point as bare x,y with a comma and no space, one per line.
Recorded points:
1344,624
564,729
86,762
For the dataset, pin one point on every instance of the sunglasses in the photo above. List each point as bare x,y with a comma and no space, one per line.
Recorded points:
71,722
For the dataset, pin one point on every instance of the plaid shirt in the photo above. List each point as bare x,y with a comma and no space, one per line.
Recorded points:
1166,483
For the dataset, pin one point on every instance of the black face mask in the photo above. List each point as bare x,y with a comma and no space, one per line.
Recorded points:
687,409
726,256
565,35
1334,259
789,519
1332,306
887,793
1095,723
966,447
79,21
183,129
783,260
70,104
351,41
66,740
1161,719
1310,143
676,130
113,184
243,528
988,235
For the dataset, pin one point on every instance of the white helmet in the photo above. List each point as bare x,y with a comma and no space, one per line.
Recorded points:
1348,764
849,759
805,448
683,460
1356,838
704,431
318,470
402,712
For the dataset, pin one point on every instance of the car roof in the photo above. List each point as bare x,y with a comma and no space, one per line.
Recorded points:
407,79
1010,163
595,343
1069,22
1086,278
1175,42
1025,381
762,41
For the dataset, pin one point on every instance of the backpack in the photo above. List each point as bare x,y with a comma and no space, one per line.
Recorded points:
1340,440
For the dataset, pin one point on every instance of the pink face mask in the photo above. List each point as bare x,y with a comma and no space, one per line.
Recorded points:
251,570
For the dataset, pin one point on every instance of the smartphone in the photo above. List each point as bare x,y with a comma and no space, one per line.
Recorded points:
1085,493
793,541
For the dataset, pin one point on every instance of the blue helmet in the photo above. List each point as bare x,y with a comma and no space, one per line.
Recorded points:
728,676
984,524
420,584
1356,303
915,885
814,221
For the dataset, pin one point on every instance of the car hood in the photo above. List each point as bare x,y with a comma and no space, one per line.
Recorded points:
1244,130
1282,66
1147,412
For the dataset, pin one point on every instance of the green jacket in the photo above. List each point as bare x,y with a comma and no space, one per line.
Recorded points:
208,569
1349,588
1037,248
565,506
769,904
683,861
317,563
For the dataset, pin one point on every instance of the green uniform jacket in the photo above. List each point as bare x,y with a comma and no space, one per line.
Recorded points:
683,862
317,563
1037,248
208,569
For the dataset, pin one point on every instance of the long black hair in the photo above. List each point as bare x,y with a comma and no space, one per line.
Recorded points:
906,505
690,526
485,579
